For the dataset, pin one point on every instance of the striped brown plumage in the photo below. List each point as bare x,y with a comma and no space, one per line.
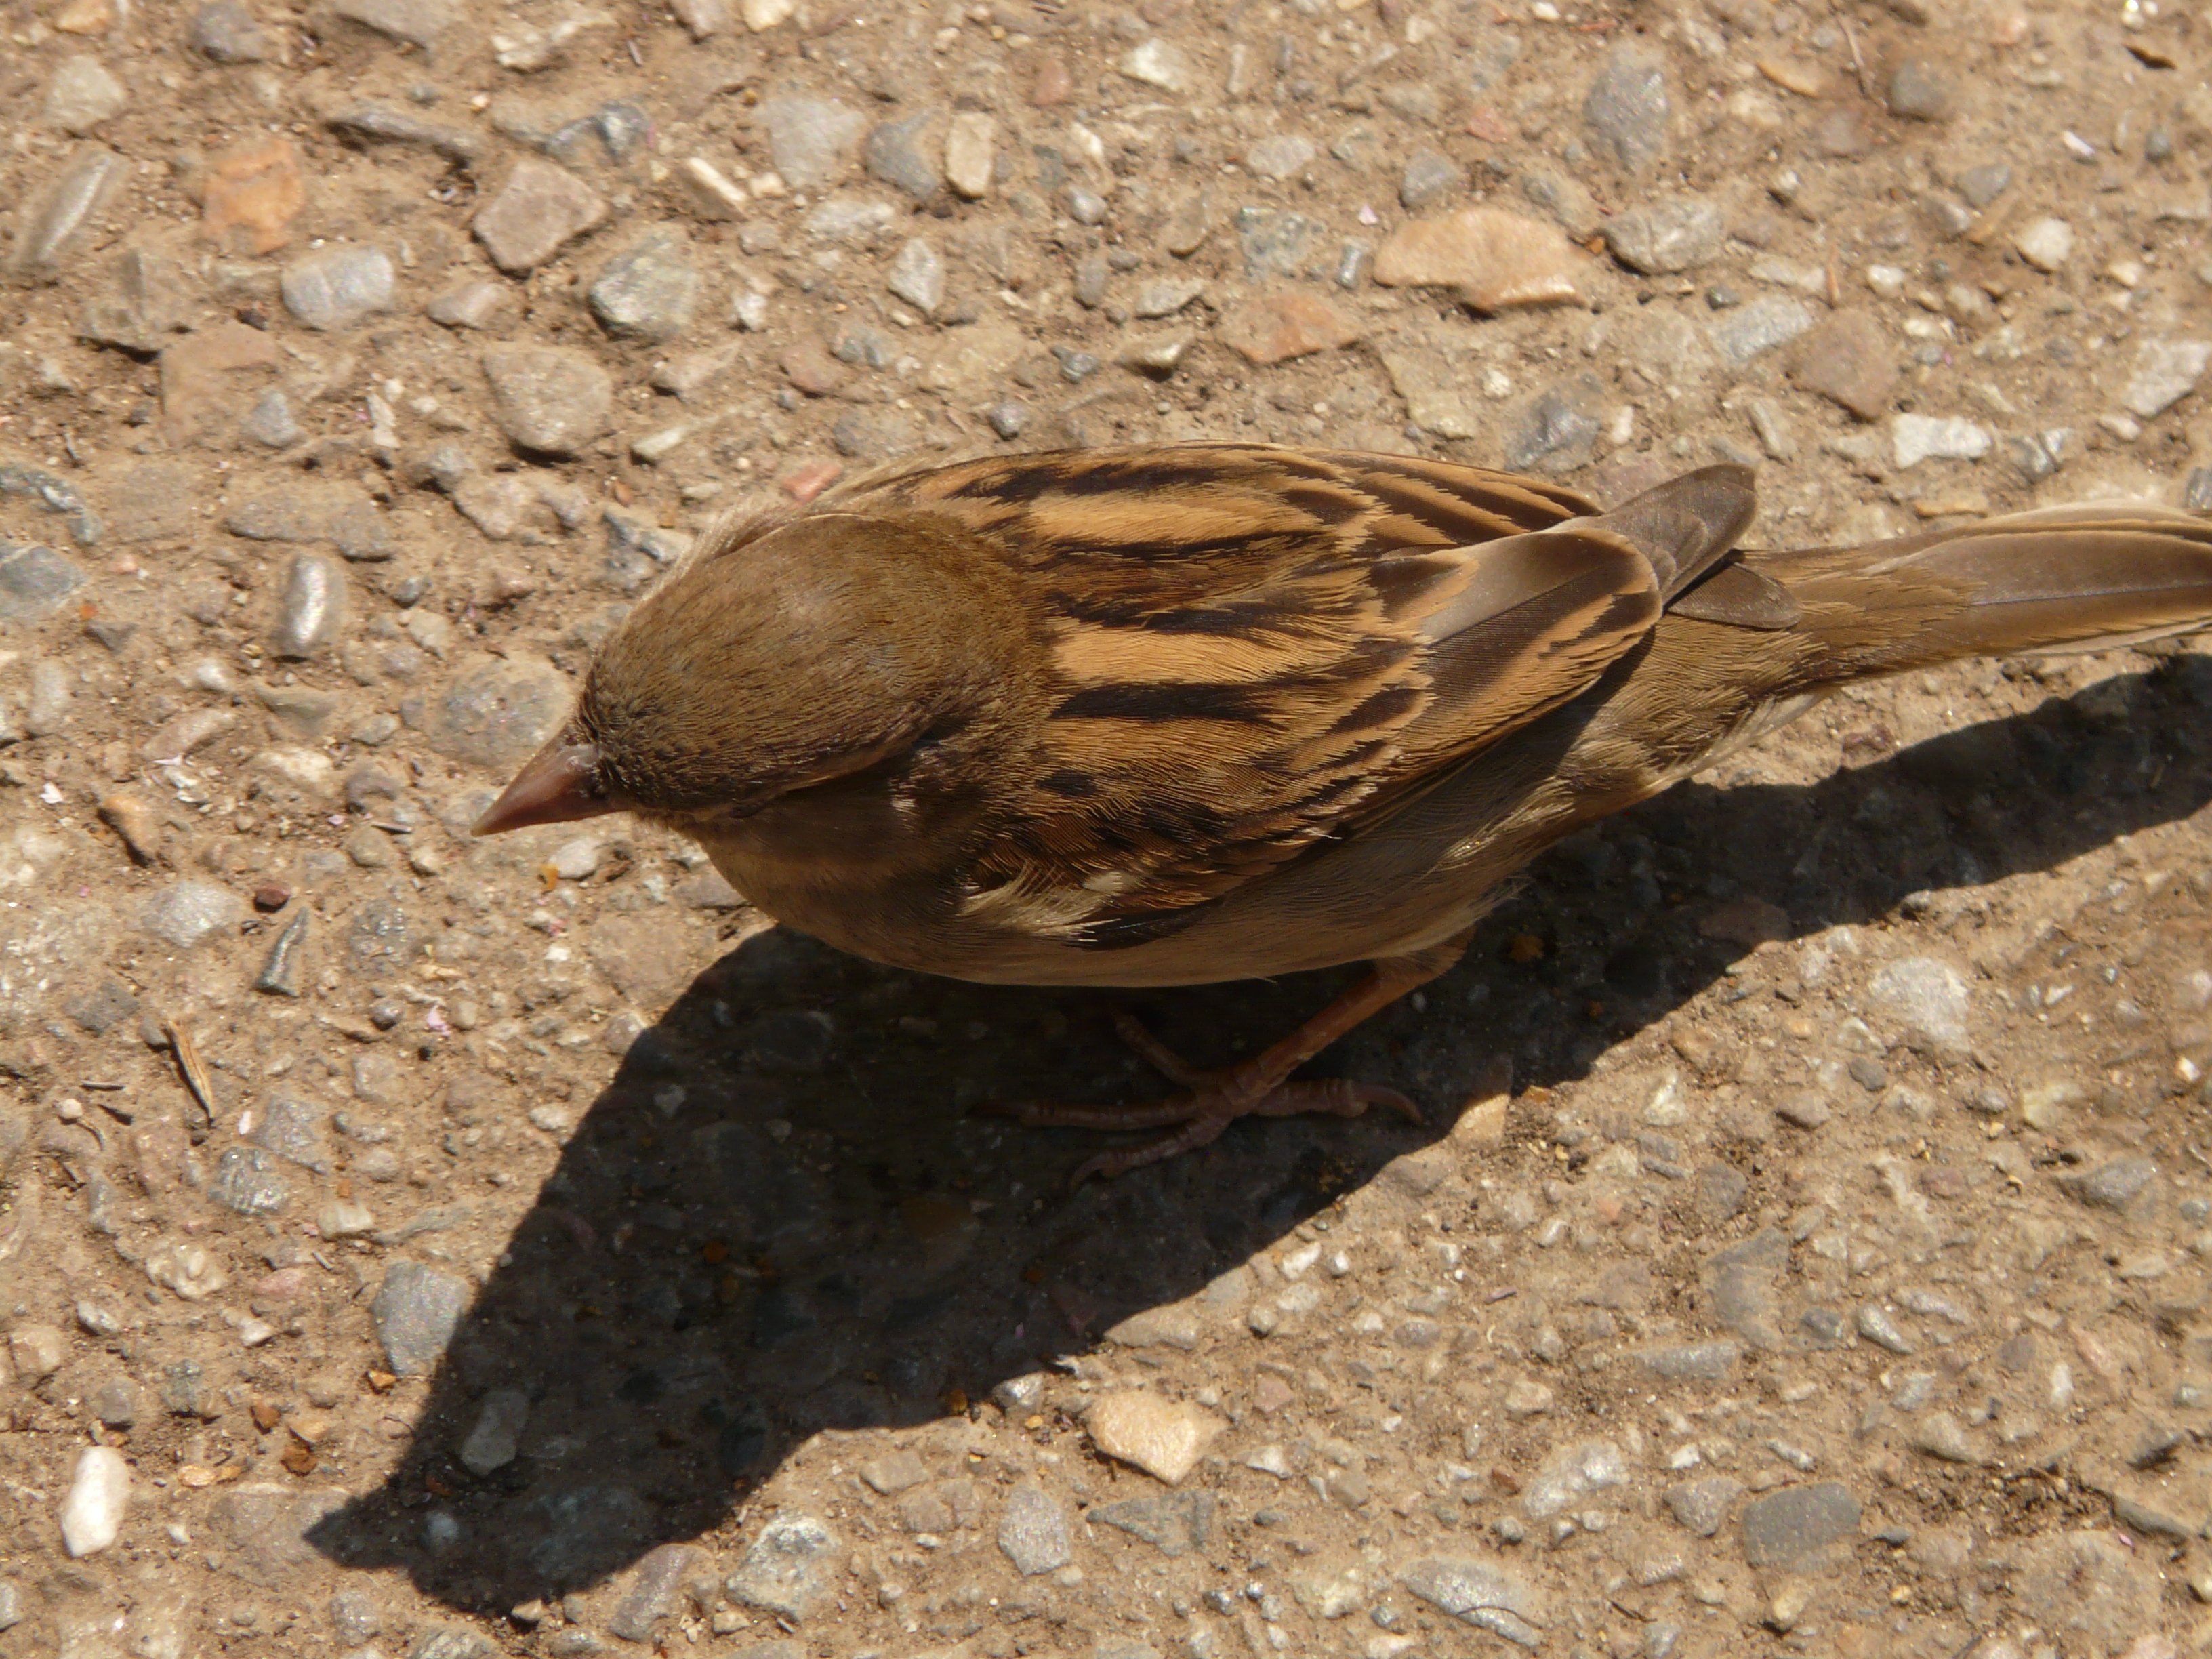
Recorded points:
1174,713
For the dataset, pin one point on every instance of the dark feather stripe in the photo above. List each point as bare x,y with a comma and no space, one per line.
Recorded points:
1183,701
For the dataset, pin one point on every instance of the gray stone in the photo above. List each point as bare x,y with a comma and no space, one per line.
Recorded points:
35,581
314,612
415,1311
118,1402
1481,1592
293,513
380,124
59,218
146,303
52,705
1283,155
284,970
472,305
292,1129
354,1617
917,277
1699,1506
225,32
450,1642
1628,110
1276,243
895,153
1009,418
2167,371
1796,1527
246,1181
106,1007
1086,207
1875,1325
378,941
271,421
1490,58
654,1587
1680,233
55,495
1746,332
82,95
1567,199
552,400
1429,177
2113,1185
1175,1523
1694,1362
849,219
811,140
1554,431
649,291
1091,276
1163,296
1918,93
418,22
1982,186
1721,1190
1918,438
1033,1531
1158,63
1740,1280
266,1527
1928,997
789,1567
186,914
1571,1475
1941,1436
539,210
335,287
577,1528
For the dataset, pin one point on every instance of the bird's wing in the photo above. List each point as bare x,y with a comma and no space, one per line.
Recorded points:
1255,649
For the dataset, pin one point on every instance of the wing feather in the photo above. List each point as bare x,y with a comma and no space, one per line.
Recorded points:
1258,648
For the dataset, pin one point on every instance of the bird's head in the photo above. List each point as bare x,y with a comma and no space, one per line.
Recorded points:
770,665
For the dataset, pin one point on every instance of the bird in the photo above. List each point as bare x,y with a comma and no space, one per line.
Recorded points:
1180,714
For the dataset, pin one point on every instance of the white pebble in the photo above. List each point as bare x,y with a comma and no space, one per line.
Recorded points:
1918,438
2046,244
573,861
91,1514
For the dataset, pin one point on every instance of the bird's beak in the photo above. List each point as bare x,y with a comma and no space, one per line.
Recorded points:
560,784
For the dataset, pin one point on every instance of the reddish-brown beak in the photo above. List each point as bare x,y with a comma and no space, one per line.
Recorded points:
560,784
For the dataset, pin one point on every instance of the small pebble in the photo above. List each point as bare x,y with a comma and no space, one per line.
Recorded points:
100,1493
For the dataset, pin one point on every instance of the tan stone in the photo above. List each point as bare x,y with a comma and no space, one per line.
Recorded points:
970,152
1163,1438
1280,326
257,190
202,376
1494,259
1848,359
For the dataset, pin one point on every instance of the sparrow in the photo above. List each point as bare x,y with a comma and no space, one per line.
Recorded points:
1174,714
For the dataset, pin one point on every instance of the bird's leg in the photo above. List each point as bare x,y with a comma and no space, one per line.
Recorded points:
1257,1087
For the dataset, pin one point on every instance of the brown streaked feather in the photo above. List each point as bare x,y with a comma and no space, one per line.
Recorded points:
1256,647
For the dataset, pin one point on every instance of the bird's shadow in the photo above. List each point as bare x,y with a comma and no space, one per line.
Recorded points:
781,1215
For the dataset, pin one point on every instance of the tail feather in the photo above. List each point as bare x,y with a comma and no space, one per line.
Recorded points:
1686,524
2060,578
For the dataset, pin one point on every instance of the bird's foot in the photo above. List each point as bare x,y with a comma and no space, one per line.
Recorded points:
1212,1102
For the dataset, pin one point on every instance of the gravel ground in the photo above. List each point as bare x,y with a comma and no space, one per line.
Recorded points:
417,1248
